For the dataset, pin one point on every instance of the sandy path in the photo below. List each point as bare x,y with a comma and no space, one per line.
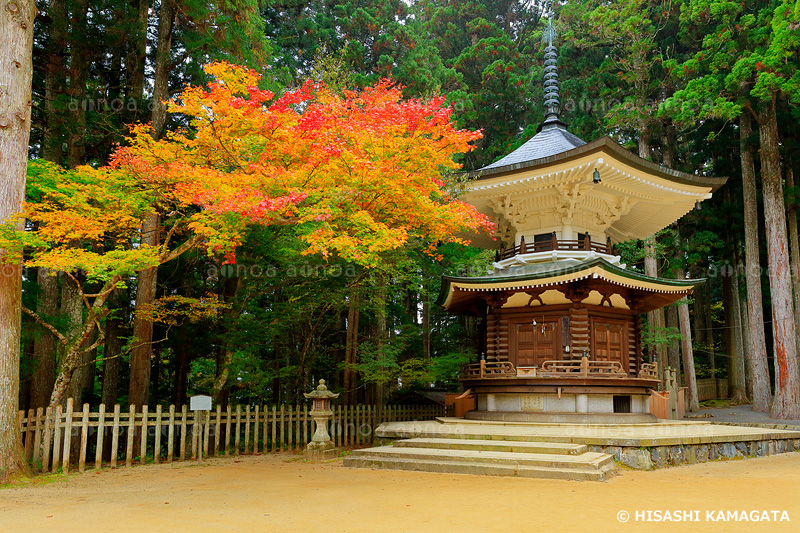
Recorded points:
283,493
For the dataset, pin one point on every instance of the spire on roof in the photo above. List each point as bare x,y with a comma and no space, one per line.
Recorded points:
552,104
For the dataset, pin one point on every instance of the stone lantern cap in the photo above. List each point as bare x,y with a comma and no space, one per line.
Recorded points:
321,392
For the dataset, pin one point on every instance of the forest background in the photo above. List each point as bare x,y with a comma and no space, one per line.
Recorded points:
700,86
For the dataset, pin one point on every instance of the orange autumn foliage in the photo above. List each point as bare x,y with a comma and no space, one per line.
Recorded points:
358,174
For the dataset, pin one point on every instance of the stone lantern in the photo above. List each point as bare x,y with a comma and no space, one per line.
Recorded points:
321,446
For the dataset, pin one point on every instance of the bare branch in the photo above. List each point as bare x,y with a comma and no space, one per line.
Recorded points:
186,246
40,320
170,234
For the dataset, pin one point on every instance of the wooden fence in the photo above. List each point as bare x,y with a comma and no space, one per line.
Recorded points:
63,438
711,388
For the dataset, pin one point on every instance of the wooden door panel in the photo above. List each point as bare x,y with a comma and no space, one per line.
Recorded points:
609,341
532,345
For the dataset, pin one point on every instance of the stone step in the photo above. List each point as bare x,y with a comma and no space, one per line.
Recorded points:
478,468
557,448
445,432
587,460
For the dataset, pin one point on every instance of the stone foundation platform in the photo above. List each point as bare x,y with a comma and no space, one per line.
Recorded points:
562,418
639,446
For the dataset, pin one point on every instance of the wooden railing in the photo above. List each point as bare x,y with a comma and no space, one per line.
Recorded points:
555,244
62,438
649,371
489,369
582,368
549,369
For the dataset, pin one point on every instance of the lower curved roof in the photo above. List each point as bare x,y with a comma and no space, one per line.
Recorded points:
467,295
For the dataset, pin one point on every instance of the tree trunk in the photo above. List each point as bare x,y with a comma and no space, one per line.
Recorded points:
52,140
688,355
794,248
78,71
135,63
111,360
351,348
142,352
748,355
70,359
755,308
225,354
733,340
72,308
16,69
146,284
655,318
644,142
182,359
786,403
426,328
166,19
276,367
381,333
674,346
44,348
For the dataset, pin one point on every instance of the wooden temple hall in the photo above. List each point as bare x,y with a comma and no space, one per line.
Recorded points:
561,316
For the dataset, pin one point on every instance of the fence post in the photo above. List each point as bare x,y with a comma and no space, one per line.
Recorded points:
184,416
218,430
247,429
143,440
264,448
157,445
255,430
171,434
297,445
238,429
282,430
29,436
228,417
274,425
67,437
84,438
131,433
46,441
115,437
98,452
37,439
57,440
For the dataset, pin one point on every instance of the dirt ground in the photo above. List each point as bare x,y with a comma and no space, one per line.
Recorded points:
282,492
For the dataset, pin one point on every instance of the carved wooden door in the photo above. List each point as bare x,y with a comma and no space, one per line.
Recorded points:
610,341
532,345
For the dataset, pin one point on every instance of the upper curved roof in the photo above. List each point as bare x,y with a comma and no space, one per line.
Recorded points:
551,140
555,144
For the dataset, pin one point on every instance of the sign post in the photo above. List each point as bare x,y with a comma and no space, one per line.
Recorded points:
201,405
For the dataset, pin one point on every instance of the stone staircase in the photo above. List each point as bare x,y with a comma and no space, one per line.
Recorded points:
552,460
